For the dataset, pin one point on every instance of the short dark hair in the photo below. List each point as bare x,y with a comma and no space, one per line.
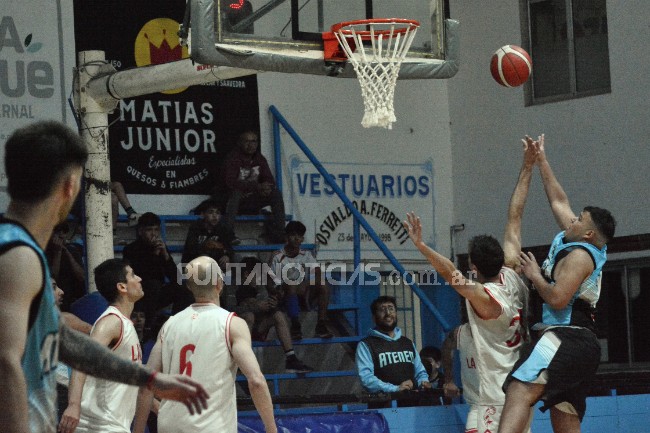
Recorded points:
148,219
207,204
295,227
38,155
382,300
431,352
107,275
486,254
603,220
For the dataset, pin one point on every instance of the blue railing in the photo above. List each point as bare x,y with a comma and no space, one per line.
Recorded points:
359,220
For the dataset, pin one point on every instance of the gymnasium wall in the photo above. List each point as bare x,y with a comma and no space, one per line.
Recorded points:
596,145
468,127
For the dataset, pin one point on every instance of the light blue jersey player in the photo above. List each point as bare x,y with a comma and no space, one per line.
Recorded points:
42,346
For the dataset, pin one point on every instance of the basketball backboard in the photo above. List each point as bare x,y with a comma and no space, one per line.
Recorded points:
286,35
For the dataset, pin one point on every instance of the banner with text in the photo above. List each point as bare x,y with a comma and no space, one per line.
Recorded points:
382,193
35,73
171,142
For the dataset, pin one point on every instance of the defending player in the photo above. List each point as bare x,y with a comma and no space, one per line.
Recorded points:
208,343
496,302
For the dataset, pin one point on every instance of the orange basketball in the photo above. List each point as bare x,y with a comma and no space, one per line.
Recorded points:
511,66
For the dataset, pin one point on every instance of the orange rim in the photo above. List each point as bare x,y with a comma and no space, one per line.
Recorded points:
366,34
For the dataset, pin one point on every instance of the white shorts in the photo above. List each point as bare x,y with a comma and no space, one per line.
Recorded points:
485,419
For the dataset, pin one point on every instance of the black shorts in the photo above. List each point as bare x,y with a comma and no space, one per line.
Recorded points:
565,360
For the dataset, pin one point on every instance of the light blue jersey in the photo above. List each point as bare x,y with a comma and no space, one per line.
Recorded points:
578,311
42,346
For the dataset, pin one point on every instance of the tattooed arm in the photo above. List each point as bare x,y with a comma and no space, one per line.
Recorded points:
83,354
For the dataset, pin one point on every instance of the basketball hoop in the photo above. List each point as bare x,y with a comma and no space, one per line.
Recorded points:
377,64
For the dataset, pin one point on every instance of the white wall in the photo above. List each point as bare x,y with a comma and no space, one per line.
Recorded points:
597,145
326,112
470,127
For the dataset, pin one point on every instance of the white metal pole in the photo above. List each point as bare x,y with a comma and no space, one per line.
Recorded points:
98,90
94,130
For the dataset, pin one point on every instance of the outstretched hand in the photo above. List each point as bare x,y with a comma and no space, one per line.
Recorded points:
413,226
531,150
181,388
529,265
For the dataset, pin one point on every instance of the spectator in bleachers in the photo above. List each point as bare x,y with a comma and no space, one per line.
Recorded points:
251,186
66,265
209,235
431,358
151,260
260,311
302,281
386,360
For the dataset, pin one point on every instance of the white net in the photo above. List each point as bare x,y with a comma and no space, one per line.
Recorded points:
377,65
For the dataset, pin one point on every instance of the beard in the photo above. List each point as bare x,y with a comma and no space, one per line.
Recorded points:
386,328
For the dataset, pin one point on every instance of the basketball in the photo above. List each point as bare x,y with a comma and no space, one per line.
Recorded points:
511,66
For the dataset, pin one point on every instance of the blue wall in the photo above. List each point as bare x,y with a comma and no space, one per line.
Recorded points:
619,414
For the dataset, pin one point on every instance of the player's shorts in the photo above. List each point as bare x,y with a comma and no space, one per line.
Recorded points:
482,418
485,418
565,360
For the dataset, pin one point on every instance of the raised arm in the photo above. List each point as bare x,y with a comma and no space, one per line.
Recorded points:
17,291
484,305
83,354
512,235
247,363
557,198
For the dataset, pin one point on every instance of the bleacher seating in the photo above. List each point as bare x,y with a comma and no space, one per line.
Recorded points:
332,359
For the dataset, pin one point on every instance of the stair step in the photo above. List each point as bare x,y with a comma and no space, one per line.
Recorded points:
342,307
238,248
305,341
312,375
166,218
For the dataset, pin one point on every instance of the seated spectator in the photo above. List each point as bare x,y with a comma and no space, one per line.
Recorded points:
261,313
119,197
431,359
386,360
209,235
66,265
251,186
302,280
152,261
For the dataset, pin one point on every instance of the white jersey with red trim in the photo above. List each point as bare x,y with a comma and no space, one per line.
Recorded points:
304,263
498,342
196,342
468,370
108,406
